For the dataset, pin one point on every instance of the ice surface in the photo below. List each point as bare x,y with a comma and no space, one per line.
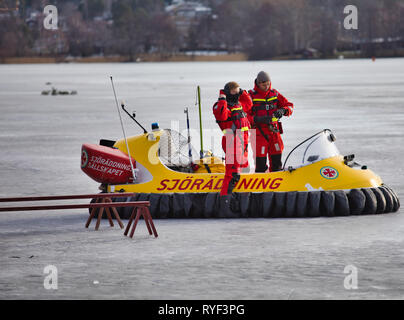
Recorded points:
40,141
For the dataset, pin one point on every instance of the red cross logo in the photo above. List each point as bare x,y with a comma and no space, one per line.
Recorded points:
329,172
84,158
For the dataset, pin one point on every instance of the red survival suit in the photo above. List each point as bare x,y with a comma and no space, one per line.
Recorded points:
267,128
233,121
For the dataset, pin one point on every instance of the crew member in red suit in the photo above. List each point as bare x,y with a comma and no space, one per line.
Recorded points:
231,115
268,107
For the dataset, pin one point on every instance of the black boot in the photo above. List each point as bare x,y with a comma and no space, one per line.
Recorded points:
234,180
276,162
261,164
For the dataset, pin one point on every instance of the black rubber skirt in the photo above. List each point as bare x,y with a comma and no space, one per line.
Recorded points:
303,204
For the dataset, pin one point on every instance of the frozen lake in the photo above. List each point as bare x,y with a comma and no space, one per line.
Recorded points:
361,101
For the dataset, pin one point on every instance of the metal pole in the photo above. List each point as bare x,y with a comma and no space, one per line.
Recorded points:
200,121
123,130
189,136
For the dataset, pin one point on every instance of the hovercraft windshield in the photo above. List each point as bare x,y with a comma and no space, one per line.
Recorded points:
318,147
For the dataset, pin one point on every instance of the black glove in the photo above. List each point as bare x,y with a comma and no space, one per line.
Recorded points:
226,90
262,119
279,113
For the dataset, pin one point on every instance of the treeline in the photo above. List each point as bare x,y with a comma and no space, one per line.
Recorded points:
132,27
268,28
262,29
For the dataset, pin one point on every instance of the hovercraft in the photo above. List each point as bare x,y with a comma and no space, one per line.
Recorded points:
316,180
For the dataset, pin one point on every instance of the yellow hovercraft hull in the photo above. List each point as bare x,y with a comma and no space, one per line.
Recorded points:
307,178
327,187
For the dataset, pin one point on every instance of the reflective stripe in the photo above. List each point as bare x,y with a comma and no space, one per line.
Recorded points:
266,100
230,130
274,119
232,109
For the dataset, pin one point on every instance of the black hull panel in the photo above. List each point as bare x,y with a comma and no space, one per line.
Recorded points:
306,204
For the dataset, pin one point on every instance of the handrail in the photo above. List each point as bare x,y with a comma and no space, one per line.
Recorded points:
78,206
67,197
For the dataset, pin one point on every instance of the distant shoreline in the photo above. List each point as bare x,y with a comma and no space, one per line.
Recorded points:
180,58
113,59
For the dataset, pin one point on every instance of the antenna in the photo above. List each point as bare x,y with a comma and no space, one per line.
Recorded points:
198,97
123,130
132,116
189,136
